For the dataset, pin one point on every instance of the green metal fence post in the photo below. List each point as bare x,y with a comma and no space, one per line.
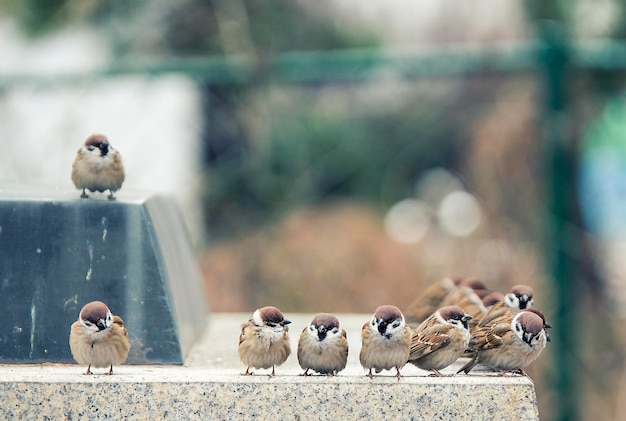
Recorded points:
560,172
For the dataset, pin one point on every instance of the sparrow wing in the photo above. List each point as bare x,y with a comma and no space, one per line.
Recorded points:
489,337
118,324
498,311
428,338
242,335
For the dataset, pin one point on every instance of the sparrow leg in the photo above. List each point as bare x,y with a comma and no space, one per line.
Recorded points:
110,196
88,370
84,195
370,375
111,370
273,373
247,372
437,373
398,375
306,373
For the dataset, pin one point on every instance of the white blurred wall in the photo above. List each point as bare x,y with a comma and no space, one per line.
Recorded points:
153,122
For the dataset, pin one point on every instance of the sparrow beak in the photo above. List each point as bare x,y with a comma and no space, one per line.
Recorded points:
101,324
547,325
382,327
523,302
285,322
104,148
321,333
464,320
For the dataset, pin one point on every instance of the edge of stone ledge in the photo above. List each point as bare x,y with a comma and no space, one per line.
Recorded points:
73,373
39,193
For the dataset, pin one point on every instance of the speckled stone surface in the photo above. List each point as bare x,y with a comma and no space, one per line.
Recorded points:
209,387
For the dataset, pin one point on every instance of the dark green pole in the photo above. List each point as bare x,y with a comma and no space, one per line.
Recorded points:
561,182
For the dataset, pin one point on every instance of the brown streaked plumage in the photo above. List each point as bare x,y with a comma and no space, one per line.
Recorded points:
385,341
440,340
98,338
430,300
98,167
468,297
264,340
509,344
323,346
518,298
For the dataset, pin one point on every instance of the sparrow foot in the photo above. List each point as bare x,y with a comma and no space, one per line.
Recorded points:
437,373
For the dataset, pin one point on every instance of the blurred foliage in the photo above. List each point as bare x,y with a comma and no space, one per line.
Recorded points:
314,144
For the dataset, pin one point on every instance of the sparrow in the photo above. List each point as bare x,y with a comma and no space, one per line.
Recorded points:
468,296
430,300
440,340
264,340
519,297
510,344
98,338
323,346
385,341
98,167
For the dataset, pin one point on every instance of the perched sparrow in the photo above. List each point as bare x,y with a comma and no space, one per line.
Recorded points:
264,340
98,167
440,340
99,338
510,344
520,297
323,346
468,296
427,303
385,341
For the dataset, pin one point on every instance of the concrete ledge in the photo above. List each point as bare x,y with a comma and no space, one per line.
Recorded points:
210,387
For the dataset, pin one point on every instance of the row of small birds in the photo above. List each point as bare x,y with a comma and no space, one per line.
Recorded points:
500,331
452,318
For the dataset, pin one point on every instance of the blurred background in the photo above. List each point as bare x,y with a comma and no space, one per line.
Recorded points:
338,155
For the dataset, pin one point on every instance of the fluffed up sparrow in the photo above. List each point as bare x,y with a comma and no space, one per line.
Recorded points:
98,338
264,340
323,346
98,167
440,340
509,344
385,341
